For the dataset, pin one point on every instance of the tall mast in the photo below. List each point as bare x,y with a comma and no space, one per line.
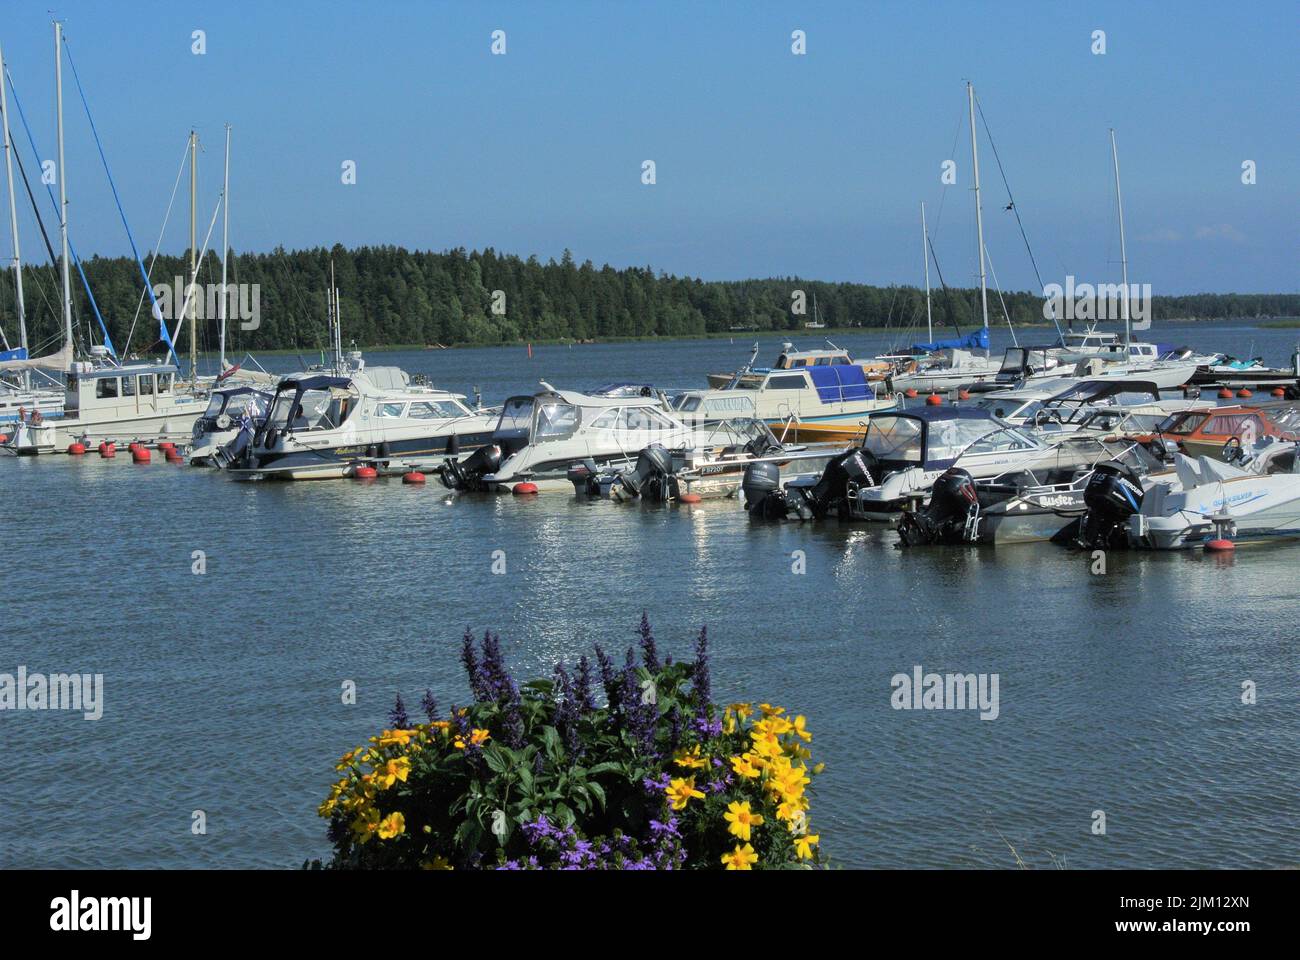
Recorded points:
63,187
1123,249
225,251
194,253
925,257
13,220
979,211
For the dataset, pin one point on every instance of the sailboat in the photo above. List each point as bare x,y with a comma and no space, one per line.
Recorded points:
953,363
104,399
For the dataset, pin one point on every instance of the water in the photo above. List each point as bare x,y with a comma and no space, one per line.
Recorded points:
1119,693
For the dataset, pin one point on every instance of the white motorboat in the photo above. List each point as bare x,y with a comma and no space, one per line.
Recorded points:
322,426
230,410
1253,497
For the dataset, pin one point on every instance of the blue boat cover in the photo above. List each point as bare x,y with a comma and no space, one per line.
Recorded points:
977,340
842,381
19,353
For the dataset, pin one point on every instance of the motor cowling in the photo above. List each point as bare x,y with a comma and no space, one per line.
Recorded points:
467,474
233,452
1113,494
951,516
652,477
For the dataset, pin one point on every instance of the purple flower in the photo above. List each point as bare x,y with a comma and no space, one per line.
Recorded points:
397,717
656,785
700,673
512,722
586,703
477,684
649,655
429,705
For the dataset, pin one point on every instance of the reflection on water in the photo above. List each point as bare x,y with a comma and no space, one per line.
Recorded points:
222,691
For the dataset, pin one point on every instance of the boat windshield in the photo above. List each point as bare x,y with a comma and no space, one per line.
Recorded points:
948,439
1180,423
516,415
254,404
1005,408
893,438
322,409
555,421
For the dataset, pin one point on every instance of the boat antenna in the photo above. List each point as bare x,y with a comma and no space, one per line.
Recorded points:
63,189
1123,250
925,256
225,252
194,257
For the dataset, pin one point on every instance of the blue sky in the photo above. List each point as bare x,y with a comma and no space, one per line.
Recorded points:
768,164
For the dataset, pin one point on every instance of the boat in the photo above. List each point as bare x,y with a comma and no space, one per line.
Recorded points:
904,452
1252,497
1223,370
323,426
807,388
231,410
1207,430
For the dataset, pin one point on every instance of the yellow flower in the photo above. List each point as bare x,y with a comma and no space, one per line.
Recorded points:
399,737
771,711
391,826
392,771
742,710
437,863
803,845
744,766
476,737
680,791
728,722
365,825
742,858
691,759
819,768
742,820
800,727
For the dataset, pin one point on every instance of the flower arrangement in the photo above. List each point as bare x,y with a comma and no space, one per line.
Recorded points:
540,776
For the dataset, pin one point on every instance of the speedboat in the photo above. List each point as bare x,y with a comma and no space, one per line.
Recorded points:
1204,430
324,426
538,438
1254,496
904,452
230,410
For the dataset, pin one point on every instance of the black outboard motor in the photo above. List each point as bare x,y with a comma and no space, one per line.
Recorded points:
585,477
764,498
652,478
952,515
831,491
468,474
1113,494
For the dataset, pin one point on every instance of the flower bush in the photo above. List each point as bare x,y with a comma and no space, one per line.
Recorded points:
541,776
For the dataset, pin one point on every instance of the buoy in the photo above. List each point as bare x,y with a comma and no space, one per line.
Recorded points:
963,394
1220,546
4,438
1243,392
1225,394
1279,391
910,393
172,456
691,498
934,400
140,455
107,450
414,476
166,445
365,473
76,449
524,489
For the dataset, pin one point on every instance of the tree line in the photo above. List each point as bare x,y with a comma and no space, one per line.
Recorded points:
390,295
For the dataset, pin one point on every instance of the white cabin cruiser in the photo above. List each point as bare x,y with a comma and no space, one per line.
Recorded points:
323,426
1253,497
231,409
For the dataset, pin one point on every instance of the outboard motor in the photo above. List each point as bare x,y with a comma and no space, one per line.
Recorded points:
234,451
652,478
1113,494
468,474
764,498
952,515
831,492
585,477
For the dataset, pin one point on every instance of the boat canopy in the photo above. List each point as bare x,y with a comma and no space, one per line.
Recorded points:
1100,391
975,340
840,382
314,383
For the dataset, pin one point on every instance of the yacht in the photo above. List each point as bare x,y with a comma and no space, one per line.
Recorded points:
325,426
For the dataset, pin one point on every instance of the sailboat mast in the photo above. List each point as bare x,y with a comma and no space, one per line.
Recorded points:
194,253
63,187
13,219
925,258
1123,249
979,210
225,252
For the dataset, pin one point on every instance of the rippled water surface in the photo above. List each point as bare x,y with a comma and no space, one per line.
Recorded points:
1119,693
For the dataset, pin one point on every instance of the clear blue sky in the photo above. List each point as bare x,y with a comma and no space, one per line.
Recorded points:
768,164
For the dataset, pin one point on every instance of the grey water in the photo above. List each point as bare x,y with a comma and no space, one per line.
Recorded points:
1119,692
